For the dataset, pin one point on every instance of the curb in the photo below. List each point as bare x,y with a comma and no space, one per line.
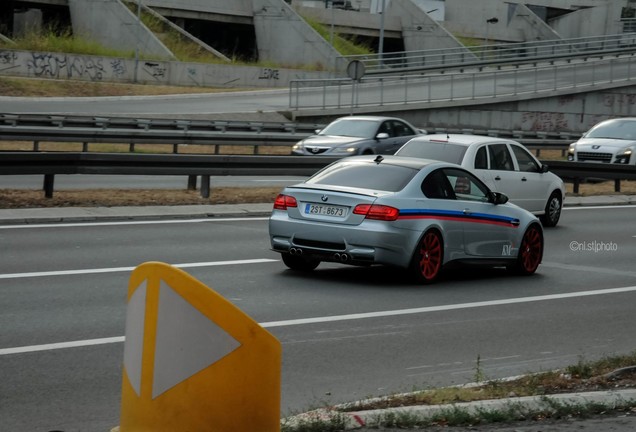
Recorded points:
371,418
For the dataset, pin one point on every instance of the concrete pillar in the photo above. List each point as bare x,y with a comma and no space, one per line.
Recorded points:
113,25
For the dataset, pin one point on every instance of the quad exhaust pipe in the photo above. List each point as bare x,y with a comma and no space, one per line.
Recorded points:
343,257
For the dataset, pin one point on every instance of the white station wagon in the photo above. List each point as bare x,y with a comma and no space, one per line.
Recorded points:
505,165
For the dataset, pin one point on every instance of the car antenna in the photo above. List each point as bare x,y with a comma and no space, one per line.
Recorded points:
378,159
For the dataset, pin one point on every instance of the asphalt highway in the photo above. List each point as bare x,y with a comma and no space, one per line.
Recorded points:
369,331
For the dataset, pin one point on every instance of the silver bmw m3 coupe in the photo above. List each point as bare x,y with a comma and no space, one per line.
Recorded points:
412,213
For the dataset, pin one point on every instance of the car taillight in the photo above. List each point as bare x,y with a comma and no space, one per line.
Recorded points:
282,202
378,212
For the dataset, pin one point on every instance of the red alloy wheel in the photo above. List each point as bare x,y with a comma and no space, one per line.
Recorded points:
531,250
428,259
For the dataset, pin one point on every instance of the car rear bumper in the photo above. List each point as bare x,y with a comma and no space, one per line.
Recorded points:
364,244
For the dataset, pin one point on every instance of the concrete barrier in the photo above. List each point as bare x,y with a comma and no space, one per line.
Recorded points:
54,65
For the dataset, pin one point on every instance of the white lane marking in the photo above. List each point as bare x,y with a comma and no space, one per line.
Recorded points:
54,346
445,307
137,222
329,319
125,269
599,207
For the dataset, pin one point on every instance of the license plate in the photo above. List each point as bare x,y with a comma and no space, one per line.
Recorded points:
325,210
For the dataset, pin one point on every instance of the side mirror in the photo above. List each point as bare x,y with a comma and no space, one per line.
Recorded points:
382,135
497,198
544,168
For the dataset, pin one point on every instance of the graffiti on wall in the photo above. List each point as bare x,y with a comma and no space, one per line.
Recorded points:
98,68
544,122
155,69
56,65
268,74
118,67
613,100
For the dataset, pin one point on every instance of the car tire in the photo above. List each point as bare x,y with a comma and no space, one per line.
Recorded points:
530,251
428,257
552,210
299,263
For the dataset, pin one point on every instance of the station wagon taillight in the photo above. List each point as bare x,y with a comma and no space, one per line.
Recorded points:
377,212
282,202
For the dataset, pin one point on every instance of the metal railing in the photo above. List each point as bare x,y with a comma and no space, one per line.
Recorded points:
50,164
483,55
101,130
403,90
88,129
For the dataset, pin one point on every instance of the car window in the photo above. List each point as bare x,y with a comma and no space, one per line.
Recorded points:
525,160
436,186
466,186
402,129
481,158
435,150
620,129
382,177
386,127
500,158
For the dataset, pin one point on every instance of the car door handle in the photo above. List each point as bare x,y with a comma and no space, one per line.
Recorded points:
466,211
497,178
524,179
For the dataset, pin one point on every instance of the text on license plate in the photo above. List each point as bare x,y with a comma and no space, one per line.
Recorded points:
325,210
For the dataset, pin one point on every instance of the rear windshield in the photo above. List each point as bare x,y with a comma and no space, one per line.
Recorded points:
620,129
441,151
381,177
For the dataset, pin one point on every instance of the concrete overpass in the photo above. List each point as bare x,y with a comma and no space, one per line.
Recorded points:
277,31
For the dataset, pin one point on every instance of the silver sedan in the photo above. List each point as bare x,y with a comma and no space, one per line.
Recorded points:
357,135
411,213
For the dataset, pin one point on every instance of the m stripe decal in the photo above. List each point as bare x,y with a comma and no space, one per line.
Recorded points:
458,216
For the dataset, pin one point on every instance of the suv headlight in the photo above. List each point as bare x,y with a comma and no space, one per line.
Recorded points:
571,151
624,156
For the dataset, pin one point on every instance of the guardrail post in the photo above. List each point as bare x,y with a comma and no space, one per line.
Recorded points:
36,146
617,185
85,147
205,186
575,187
192,182
49,179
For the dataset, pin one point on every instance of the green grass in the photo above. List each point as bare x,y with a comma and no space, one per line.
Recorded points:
64,42
582,376
343,45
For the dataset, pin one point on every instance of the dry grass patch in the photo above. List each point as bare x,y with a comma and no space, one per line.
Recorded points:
12,198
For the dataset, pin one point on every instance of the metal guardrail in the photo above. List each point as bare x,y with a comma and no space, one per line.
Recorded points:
87,129
488,55
50,164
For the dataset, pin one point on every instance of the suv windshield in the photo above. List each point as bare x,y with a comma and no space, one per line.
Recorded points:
618,129
441,151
